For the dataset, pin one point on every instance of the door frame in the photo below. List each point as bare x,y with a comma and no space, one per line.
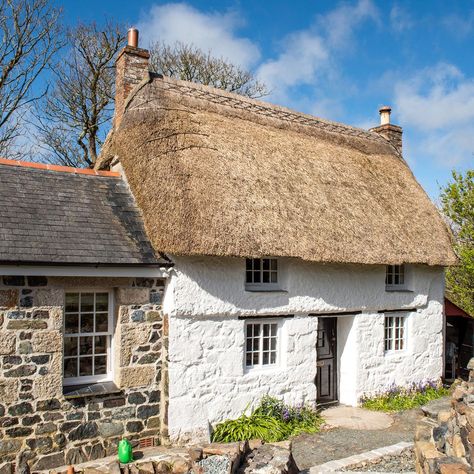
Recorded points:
334,358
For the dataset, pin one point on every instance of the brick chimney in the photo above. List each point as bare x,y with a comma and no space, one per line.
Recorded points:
393,133
131,67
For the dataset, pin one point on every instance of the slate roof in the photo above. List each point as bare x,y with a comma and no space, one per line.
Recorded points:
69,218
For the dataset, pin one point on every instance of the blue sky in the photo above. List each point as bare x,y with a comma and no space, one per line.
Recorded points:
338,60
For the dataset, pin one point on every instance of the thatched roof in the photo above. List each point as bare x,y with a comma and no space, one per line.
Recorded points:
218,174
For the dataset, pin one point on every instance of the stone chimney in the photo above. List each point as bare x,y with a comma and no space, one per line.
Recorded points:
131,67
393,133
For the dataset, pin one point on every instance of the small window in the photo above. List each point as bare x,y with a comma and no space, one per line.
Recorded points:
394,333
87,337
261,349
261,273
395,278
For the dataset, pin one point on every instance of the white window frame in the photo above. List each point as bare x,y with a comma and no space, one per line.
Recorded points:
261,365
391,330
260,286
393,271
80,380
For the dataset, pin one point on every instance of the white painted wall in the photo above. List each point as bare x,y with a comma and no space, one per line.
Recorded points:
205,297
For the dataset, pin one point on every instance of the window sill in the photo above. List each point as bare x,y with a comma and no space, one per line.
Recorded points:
90,390
398,290
265,290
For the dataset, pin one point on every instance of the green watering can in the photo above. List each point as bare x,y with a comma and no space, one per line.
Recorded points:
125,454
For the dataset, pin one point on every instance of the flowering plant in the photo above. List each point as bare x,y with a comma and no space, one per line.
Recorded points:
397,398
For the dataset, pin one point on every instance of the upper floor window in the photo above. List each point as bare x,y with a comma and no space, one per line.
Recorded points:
261,273
87,337
395,277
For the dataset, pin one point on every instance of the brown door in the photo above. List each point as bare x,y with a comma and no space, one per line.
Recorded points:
326,348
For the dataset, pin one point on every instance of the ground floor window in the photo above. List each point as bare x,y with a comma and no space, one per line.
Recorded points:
395,333
261,345
87,337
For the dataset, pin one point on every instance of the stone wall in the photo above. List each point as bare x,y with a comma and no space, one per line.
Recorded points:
41,426
444,440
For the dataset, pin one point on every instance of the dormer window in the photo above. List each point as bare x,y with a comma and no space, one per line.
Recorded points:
395,277
261,274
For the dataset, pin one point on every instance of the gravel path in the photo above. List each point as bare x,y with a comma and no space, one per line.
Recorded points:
404,462
311,450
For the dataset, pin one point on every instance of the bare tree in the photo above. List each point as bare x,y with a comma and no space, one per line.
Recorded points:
30,38
189,63
73,118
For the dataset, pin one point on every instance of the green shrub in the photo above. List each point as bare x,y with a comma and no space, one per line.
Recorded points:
271,421
405,398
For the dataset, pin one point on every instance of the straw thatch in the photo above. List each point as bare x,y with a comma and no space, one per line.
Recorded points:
219,174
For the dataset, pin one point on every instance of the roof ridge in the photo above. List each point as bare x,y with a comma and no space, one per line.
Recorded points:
63,169
231,99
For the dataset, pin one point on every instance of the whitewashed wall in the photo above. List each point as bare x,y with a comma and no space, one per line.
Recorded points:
205,296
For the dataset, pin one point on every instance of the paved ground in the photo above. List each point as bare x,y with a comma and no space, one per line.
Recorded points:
356,418
337,443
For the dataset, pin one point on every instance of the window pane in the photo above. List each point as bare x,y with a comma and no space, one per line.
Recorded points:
266,264
87,322
273,343
249,330
273,277
256,344
85,366
255,358
100,365
256,277
248,277
256,264
100,345
256,329
87,302
274,329
71,324
70,367
70,346
266,277
102,322
273,358
266,330
85,345
265,358
273,264
102,302
248,264
72,302
250,344
248,360
266,344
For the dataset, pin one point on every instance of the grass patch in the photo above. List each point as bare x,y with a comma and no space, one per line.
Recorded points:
270,421
405,398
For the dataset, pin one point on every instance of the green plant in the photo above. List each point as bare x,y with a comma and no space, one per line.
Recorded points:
271,421
405,398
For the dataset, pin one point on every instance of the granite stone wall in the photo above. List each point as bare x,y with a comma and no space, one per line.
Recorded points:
45,425
444,440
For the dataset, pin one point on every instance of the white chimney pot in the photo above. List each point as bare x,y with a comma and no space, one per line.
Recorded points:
385,115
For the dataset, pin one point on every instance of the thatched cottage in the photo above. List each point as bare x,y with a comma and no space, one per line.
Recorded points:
224,248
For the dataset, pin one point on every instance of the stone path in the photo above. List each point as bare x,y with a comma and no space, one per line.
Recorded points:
356,418
337,443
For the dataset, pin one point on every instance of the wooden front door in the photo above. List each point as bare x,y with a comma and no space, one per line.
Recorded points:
326,348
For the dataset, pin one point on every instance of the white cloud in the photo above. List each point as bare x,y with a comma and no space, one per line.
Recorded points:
216,32
400,19
438,102
459,26
308,55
